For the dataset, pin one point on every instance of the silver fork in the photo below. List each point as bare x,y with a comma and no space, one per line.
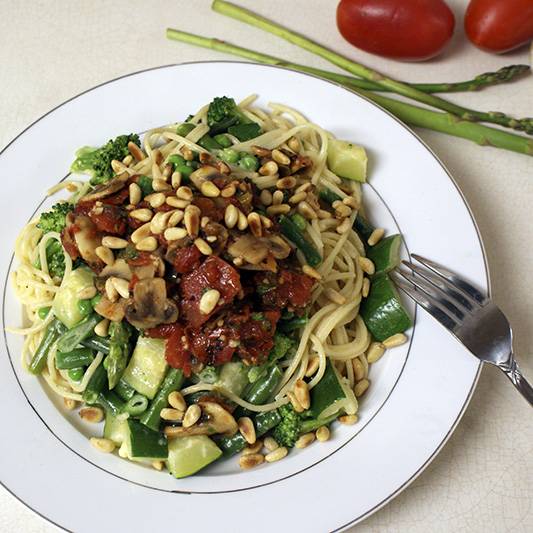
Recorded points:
464,311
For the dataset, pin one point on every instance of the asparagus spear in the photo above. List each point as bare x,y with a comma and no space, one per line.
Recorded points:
481,81
245,15
410,114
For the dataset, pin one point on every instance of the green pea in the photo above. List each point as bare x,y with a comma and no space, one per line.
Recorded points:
249,162
76,374
96,300
85,307
184,170
43,312
176,159
229,155
184,129
299,220
193,164
223,140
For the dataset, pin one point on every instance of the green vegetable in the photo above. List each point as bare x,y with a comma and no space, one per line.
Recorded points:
293,233
117,359
287,326
299,221
145,184
313,424
176,159
111,402
146,443
76,374
233,377
43,312
248,161
209,143
55,259
282,346
97,161
152,416
229,155
52,333
65,304
287,431
136,405
74,359
347,160
99,344
223,140
245,132
71,338
185,128
85,307
95,386
382,310
188,455
124,390
385,254
328,196
55,218
363,227
147,366
208,375
116,429
223,112
262,390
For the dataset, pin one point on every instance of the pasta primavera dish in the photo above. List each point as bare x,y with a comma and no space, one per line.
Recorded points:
214,289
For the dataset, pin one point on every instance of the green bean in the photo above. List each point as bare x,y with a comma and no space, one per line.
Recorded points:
261,391
223,140
69,340
111,402
136,405
152,416
52,333
100,344
96,385
293,233
124,390
74,359
76,374
328,196
314,424
229,155
43,312
85,307
248,161
184,129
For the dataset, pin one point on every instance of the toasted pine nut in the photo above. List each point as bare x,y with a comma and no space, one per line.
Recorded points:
114,243
148,244
375,236
158,465
288,182
350,201
247,429
268,169
156,199
279,157
348,420
242,222
187,153
267,223
261,152
177,202
175,180
209,301
228,191
87,293
365,289
395,340
323,214
231,216
276,455
304,187
110,291
176,400
254,448
184,193
135,151
281,209
175,218
122,287
322,434
94,415
175,234
69,403
105,254
358,369
266,197
251,460
270,444
306,210
294,144
311,272
209,189
375,351
160,185
305,440
156,172
203,246
192,415
367,265
128,160
335,296
277,198
301,392
103,445
191,220
144,214
312,367
344,226
360,387
297,198
140,233
254,222
295,403
102,327
135,194
172,415
158,224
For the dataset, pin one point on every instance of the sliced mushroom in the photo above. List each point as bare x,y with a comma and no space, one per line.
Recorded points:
145,271
202,174
114,311
249,248
268,264
279,247
150,305
106,189
215,420
87,239
214,229
119,269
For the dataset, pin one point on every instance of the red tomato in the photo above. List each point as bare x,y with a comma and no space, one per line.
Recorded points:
401,29
499,25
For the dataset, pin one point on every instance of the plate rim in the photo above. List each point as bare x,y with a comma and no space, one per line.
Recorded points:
468,397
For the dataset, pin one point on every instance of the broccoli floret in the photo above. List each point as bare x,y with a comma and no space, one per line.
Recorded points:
286,433
55,219
283,345
55,258
97,161
223,112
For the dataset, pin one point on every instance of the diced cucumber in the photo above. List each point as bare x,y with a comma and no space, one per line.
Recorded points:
145,443
347,160
65,304
363,228
331,395
147,366
382,310
116,429
385,254
188,455
233,377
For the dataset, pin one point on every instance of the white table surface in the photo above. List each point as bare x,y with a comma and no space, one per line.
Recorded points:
482,479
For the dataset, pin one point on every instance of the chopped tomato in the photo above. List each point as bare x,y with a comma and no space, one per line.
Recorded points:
140,259
286,288
117,199
177,351
209,208
216,274
108,219
256,337
186,259
212,345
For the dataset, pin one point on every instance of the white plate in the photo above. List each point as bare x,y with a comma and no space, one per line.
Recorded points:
418,392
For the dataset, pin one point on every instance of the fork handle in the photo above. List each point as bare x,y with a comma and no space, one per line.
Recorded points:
512,371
